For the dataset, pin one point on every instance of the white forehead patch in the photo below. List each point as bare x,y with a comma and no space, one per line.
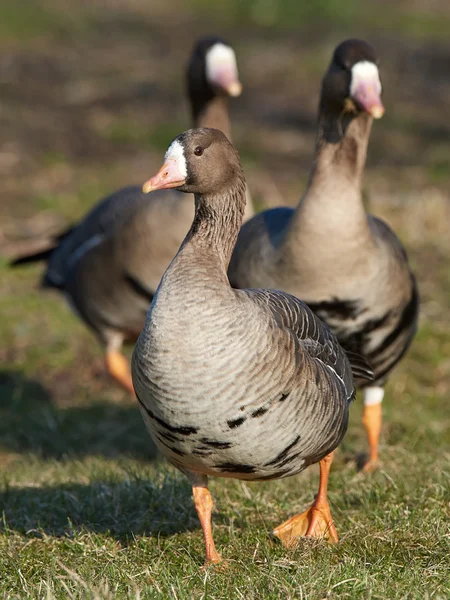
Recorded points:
176,152
364,71
218,58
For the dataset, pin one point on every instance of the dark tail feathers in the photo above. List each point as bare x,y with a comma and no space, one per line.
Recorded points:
43,254
31,258
361,369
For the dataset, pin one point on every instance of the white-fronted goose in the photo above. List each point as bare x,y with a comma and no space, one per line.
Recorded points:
348,266
110,264
247,384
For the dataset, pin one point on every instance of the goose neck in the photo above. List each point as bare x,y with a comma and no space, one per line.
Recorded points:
212,112
333,199
216,225
341,147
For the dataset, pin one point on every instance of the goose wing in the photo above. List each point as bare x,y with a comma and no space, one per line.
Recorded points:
313,337
99,224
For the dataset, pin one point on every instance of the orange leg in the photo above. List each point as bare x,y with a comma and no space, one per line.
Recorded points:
372,418
119,368
204,505
315,522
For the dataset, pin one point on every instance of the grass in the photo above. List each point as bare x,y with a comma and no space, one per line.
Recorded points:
88,509
91,525
26,20
22,20
347,17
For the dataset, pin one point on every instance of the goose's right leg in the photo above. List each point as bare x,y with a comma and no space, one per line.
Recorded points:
317,520
118,366
204,505
372,420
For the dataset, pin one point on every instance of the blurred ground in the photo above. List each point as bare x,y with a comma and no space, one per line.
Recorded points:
90,95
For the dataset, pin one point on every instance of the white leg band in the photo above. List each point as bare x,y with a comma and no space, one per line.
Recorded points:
373,395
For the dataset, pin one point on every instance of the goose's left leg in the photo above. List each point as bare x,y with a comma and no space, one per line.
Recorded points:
317,520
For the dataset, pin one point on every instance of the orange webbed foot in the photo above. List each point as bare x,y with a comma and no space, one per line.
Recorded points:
218,565
315,522
370,466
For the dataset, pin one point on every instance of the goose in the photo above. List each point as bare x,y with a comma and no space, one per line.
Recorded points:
347,265
246,384
109,264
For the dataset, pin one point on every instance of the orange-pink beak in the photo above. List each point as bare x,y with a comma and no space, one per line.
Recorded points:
167,177
226,79
367,96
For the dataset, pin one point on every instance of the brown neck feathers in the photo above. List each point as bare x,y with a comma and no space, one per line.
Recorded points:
341,145
217,222
212,111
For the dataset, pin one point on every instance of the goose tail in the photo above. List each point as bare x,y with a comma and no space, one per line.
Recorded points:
361,369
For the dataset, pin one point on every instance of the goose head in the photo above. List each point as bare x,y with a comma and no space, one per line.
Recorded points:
199,161
212,69
352,82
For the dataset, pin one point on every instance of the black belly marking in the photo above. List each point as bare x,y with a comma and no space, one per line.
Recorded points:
160,436
235,422
137,287
289,459
283,397
407,321
168,436
276,475
176,451
183,430
374,324
283,454
354,341
259,412
229,467
216,444
336,309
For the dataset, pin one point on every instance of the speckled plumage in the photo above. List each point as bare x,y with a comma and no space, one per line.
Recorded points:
239,384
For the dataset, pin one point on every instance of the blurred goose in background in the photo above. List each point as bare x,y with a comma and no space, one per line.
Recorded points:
110,264
247,384
348,266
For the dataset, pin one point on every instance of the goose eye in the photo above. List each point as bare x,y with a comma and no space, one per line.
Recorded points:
198,151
